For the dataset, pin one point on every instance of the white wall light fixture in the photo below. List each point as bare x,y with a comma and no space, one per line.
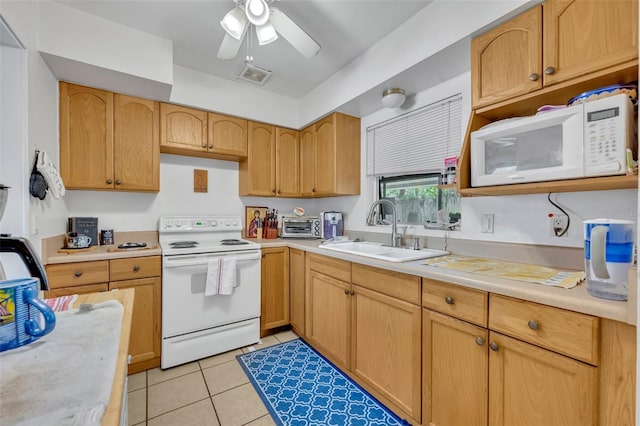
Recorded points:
393,98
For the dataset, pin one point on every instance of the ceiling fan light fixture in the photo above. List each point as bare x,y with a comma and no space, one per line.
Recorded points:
393,98
257,12
235,23
266,34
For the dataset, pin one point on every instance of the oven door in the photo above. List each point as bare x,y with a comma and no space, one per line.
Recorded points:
186,309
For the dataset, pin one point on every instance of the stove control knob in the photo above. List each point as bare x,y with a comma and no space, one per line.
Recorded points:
234,223
227,223
213,223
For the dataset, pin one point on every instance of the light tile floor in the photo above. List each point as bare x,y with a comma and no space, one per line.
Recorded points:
210,392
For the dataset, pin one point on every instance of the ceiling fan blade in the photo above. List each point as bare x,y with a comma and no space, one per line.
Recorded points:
293,33
229,47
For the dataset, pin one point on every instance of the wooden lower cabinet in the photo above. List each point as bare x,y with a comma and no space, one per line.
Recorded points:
455,371
144,344
529,385
296,290
328,317
385,347
79,289
274,288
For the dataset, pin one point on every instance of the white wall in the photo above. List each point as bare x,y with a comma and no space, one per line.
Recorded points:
518,218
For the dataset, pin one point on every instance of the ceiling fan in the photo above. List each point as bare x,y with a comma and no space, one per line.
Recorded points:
269,22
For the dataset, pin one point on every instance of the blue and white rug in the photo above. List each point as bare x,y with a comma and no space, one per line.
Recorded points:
301,387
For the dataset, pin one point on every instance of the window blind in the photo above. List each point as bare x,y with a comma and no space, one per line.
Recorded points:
416,142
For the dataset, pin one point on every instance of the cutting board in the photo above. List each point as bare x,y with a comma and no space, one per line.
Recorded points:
116,249
76,250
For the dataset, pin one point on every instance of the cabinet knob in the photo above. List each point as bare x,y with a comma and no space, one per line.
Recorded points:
493,346
129,359
78,274
136,268
533,324
278,192
479,341
549,70
273,191
449,300
118,181
210,146
346,291
352,292
109,181
534,76
204,145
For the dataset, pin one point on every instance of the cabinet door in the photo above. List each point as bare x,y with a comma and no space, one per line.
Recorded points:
325,168
455,371
258,172
307,161
144,343
274,293
86,137
79,289
506,61
385,347
296,290
328,317
227,135
182,128
584,36
287,162
529,385
137,144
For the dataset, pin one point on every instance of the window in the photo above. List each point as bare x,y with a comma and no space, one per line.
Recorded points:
406,156
418,199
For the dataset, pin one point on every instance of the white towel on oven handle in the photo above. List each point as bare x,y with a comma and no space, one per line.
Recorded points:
221,276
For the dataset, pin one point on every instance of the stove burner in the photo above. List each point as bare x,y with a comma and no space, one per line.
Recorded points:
183,244
232,242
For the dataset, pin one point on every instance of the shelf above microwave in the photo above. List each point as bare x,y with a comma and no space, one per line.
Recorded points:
572,185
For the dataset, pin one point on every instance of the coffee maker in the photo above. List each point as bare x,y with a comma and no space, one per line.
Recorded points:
21,246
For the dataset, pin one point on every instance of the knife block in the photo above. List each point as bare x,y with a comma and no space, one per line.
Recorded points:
270,233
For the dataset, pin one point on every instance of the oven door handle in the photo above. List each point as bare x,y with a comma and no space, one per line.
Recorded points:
187,260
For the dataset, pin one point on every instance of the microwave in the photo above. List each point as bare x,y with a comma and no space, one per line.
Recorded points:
585,140
301,227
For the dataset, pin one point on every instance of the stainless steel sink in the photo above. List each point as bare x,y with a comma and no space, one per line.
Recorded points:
382,252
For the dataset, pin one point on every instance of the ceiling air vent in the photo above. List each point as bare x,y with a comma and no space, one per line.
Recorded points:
255,75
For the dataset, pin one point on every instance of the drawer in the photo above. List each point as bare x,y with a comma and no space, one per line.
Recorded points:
80,289
77,273
566,332
133,268
395,284
459,302
336,268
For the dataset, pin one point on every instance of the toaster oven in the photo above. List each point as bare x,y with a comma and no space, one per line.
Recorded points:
301,227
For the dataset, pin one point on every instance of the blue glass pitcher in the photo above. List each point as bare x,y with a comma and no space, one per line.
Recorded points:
23,317
608,252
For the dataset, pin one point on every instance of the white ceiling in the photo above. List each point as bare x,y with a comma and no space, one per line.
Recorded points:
344,28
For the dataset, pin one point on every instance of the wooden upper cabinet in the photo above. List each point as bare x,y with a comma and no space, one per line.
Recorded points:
307,161
258,171
337,155
287,162
506,61
137,144
182,128
584,36
227,135
86,137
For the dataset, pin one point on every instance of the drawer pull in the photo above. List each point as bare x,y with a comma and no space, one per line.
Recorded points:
346,292
136,268
533,324
479,341
449,300
78,274
534,76
493,346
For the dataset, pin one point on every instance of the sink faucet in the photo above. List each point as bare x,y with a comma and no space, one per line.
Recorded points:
371,221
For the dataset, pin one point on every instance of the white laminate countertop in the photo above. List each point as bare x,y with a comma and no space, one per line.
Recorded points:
575,299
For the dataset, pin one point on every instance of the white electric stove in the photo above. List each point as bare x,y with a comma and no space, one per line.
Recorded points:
195,326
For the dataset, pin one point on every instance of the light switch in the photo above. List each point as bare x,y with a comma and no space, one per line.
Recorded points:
486,223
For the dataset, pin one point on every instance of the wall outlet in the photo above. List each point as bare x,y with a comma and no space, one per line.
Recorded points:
486,223
557,224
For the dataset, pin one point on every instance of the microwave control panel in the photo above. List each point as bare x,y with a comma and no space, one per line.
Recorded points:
607,135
